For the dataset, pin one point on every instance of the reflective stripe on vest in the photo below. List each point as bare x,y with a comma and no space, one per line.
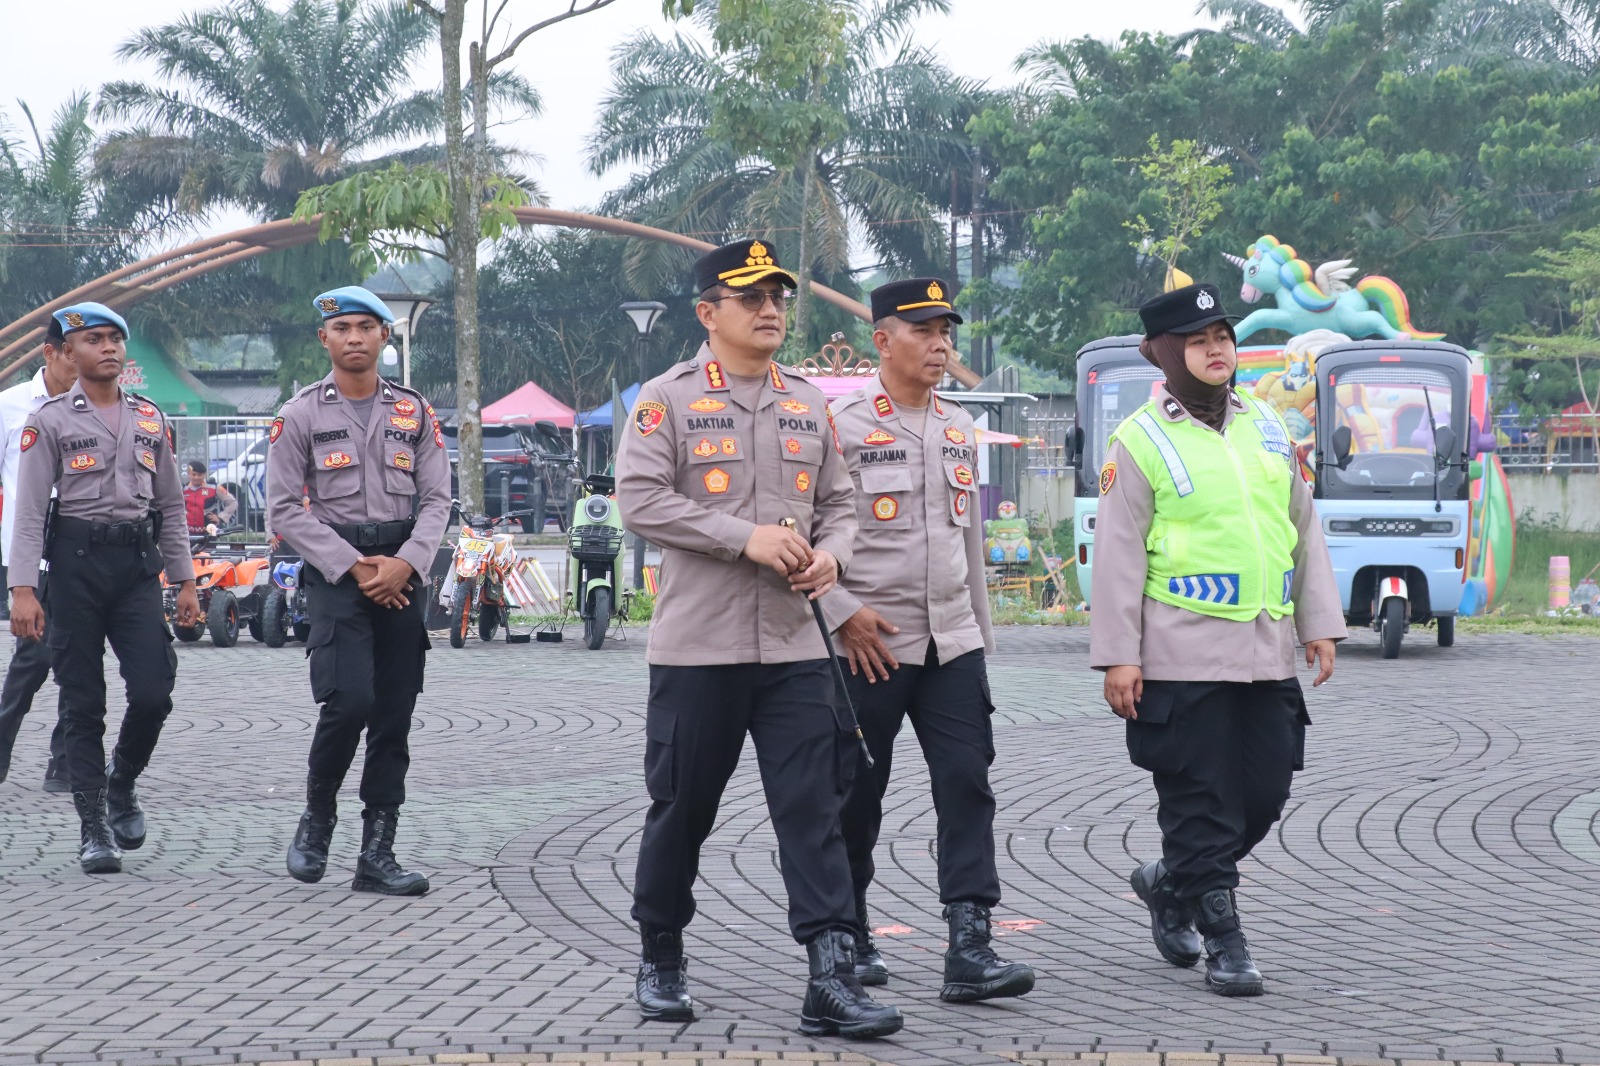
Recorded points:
1169,453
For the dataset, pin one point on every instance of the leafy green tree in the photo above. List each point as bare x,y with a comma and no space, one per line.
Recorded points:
1547,372
1189,189
850,130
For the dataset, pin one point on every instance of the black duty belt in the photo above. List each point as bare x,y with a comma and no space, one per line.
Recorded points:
136,532
376,534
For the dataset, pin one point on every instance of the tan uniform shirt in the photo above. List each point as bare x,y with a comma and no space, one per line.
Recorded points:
1126,628
117,468
919,555
356,470
697,470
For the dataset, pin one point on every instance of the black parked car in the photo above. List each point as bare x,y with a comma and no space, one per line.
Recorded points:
524,468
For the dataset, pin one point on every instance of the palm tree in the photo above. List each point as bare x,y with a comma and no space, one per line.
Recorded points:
882,181
255,105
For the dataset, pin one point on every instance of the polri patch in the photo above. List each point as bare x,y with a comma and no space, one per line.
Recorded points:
276,431
648,416
717,481
29,436
1108,477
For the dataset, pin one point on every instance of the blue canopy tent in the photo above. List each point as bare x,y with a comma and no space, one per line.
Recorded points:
598,423
601,417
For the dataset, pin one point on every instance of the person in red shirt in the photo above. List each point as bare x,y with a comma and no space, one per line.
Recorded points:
205,503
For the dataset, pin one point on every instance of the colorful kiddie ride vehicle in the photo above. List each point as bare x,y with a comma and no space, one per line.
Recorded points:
283,607
1005,545
228,582
594,542
482,581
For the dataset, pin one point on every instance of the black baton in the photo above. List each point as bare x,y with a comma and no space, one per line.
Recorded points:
848,723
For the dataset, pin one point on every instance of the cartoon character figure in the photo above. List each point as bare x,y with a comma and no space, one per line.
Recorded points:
1006,541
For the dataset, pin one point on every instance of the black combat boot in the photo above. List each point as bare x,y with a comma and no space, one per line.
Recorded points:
972,970
661,988
1171,919
308,851
123,812
55,775
97,852
1229,969
376,868
835,1003
870,967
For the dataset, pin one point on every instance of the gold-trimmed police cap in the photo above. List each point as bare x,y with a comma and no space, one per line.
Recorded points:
915,300
740,264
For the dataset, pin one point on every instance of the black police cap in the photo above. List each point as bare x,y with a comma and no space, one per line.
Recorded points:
740,264
1186,310
915,300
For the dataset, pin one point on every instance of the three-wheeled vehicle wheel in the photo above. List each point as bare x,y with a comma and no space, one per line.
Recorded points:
1392,626
274,627
598,623
222,618
461,611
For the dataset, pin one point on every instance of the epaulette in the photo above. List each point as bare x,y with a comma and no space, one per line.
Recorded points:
48,400
849,399
403,388
677,370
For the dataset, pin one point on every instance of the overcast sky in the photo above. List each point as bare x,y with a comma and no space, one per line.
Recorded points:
53,48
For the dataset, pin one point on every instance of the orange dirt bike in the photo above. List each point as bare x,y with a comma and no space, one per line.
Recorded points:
480,571
228,580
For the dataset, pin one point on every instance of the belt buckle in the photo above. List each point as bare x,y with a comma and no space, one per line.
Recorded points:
367,535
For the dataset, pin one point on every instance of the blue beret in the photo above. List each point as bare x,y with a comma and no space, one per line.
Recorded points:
85,315
352,300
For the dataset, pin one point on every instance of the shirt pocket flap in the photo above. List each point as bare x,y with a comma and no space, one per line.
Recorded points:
886,479
806,450
960,475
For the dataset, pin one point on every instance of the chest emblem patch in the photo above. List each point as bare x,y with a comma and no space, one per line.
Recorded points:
961,504
963,474
955,436
717,481
149,427
83,461
791,446
878,436
402,460
706,405
885,507
148,459
148,410
276,431
403,423
1108,477
404,407
335,460
795,407
730,446
705,448
29,435
648,416
802,481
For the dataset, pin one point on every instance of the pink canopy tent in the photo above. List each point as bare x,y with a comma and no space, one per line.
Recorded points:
527,405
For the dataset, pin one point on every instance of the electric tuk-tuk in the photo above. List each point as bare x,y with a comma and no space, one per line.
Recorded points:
1392,443
1114,381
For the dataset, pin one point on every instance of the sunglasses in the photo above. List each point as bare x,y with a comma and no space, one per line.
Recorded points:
754,299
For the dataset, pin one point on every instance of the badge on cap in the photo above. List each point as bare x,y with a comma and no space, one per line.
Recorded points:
74,319
705,448
802,481
1108,477
706,405
717,481
885,507
795,407
878,436
1204,301
328,305
648,416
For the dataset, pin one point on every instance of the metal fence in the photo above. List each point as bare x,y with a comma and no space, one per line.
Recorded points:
1565,444
234,450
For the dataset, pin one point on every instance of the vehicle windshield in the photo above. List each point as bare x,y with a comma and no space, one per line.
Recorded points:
1107,394
1387,409
497,440
222,448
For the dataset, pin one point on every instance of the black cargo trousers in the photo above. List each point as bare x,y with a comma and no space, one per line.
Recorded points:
366,671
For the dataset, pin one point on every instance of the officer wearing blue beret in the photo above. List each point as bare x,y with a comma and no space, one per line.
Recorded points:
358,481
118,517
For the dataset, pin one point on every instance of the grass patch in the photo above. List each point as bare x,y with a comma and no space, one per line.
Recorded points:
1581,625
1527,594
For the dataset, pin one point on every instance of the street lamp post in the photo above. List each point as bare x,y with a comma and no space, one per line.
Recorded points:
644,315
407,308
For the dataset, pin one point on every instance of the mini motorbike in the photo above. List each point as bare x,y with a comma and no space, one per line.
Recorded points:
595,544
228,584
283,609
481,565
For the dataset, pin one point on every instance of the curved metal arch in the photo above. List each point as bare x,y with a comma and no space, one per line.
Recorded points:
124,287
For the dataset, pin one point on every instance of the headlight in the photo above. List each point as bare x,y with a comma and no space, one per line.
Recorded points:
997,554
597,508
203,580
1022,553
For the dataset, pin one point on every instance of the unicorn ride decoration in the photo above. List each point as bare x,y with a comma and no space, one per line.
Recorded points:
1320,299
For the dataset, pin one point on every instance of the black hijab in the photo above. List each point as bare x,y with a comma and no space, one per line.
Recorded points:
1208,403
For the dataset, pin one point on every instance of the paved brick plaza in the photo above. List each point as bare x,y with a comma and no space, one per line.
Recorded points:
1432,892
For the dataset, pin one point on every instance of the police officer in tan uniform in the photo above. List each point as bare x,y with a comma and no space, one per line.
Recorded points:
1213,706
358,481
118,518
719,452
912,615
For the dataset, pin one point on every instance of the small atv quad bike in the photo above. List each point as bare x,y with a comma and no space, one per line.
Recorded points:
283,606
227,580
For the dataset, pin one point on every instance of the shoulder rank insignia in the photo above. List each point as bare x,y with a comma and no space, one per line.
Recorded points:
881,404
706,405
938,408
648,416
777,378
714,376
